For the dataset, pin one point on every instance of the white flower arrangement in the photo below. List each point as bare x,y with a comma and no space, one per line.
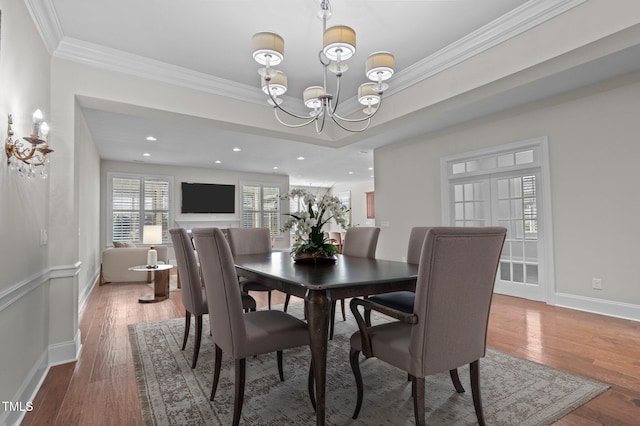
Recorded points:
308,223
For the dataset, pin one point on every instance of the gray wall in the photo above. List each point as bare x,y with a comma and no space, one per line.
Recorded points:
594,156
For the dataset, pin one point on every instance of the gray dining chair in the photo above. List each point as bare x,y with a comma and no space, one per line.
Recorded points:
194,297
402,300
250,241
448,326
234,333
358,242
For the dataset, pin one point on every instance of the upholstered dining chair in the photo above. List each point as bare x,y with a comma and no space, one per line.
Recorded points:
240,335
359,242
194,297
250,241
448,326
401,300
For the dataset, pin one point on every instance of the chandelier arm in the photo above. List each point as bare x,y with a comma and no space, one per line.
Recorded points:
276,105
359,120
311,120
343,127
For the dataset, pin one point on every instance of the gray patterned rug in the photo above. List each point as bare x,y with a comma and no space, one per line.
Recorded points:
514,391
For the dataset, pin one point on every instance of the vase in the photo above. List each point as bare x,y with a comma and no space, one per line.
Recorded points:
306,258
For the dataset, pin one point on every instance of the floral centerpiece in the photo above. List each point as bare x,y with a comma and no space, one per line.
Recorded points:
310,243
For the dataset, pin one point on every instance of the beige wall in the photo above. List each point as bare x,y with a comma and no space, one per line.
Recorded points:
88,166
24,209
594,156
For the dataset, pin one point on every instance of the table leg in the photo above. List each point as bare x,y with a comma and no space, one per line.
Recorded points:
318,308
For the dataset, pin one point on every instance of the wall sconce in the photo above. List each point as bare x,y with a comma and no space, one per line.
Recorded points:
25,157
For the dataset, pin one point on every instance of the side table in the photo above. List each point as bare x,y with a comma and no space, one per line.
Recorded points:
160,282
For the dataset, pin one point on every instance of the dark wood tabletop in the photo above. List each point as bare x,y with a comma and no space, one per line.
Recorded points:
351,274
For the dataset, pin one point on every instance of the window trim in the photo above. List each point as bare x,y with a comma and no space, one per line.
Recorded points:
109,200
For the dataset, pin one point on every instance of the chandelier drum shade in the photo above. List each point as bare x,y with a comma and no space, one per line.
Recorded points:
338,45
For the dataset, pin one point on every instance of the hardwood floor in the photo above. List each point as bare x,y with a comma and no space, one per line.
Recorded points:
100,389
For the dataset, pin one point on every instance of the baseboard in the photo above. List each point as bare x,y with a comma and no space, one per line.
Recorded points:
87,290
62,353
27,392
598,306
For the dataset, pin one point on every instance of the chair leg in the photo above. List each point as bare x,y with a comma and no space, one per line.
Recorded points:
332,318
239,393
280,370
196,345
456,380
417,384
286,302
344,314
187,327
269,299
474,372
312,388
354,359
216,371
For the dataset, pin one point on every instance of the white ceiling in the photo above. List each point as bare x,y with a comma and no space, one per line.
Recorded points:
212,38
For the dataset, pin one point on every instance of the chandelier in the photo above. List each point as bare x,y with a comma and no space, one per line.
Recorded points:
339,44
23,157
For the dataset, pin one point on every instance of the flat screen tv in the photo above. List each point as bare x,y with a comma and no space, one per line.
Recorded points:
208,198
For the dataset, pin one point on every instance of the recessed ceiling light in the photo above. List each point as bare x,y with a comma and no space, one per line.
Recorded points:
151,138
218,161
236,150
276,168
370,168
350,173
300,158
146,154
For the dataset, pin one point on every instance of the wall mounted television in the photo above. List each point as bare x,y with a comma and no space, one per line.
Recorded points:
208,198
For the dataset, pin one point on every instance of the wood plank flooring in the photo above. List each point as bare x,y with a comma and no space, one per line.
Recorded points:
100,389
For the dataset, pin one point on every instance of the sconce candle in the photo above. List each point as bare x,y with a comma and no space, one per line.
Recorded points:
23,157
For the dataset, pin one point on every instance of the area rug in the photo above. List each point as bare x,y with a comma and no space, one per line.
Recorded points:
514,391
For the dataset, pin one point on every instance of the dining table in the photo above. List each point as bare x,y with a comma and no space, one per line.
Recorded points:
319,284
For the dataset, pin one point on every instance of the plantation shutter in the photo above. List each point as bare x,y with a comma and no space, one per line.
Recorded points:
137,201
261,207
156,204
126,209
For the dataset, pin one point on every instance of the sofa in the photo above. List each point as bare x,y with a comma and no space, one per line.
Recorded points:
116,262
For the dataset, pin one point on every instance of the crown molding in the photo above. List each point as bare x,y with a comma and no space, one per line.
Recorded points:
506,27
116,60
518,21
46,20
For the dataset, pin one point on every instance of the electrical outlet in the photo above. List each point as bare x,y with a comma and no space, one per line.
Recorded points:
44,238
596,283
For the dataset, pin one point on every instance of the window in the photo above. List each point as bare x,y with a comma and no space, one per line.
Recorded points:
261,206
135,201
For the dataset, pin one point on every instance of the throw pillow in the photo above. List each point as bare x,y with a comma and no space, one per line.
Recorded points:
123,244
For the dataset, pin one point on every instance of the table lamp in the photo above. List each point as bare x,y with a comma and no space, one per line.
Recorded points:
152,235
